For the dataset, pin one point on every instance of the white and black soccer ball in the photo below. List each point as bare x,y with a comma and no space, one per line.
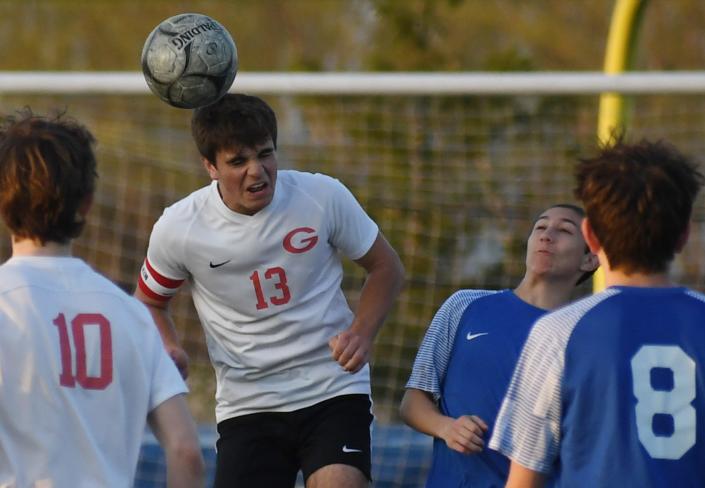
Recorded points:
189,60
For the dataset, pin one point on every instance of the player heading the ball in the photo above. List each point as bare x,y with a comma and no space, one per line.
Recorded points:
262,249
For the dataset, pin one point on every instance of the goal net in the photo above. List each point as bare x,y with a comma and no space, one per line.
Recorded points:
453,175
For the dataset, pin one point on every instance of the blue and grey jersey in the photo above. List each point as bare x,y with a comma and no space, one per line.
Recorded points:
466,361
610,391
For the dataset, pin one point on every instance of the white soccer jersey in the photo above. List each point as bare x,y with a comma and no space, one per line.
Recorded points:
266,288
81,365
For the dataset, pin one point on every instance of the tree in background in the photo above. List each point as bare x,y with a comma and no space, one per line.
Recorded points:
342,35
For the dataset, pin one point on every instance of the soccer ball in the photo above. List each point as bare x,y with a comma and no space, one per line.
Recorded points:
189,60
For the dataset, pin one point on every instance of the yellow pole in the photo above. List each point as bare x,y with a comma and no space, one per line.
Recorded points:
618,58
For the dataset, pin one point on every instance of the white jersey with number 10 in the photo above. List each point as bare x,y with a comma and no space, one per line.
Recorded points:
81,366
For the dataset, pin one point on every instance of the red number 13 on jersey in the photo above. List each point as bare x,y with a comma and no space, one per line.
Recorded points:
78,324
278,276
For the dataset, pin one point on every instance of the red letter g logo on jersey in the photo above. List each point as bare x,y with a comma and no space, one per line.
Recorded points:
296,241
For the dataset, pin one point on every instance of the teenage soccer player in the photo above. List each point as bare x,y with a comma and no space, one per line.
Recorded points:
82,368
467,357
261,248
610,391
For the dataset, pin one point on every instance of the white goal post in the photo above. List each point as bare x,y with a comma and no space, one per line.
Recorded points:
371,83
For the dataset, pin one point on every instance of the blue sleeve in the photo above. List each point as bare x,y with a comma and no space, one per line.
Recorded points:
433,356
528,426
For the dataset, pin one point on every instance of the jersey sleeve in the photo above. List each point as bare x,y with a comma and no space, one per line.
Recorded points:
433,356
351,229
163,271
527,429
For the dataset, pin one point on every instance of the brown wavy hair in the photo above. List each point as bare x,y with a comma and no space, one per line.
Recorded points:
47,171
638,199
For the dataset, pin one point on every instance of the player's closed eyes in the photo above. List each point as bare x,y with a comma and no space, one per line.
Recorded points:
237,162
566,230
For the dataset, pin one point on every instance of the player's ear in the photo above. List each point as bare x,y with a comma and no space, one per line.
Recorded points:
590,238
85,206
683,238
590,262
210,168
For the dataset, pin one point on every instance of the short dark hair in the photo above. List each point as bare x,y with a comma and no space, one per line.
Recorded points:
47,171
575,208
234,120
638,199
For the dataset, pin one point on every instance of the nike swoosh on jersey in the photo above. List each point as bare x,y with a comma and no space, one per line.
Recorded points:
348,449
219,264
472,336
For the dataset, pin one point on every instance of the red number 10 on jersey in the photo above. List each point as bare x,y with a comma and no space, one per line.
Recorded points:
67,377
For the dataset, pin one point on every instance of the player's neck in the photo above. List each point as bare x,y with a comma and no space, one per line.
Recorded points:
617,277
544,294
653,280
29,247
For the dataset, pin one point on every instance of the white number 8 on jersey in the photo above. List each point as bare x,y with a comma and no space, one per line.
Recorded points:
674,402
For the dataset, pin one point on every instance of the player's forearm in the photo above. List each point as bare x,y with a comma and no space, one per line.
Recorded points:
185,470
420,412
521,477
381,288
167,330
385,274
175,429
165,325
162,318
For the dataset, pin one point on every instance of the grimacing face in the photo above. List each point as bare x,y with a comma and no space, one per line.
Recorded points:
246,176
556,248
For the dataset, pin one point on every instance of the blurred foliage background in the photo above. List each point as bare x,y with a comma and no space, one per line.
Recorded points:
354,35
454,182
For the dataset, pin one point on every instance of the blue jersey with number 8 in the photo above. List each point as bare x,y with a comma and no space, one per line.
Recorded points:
610,391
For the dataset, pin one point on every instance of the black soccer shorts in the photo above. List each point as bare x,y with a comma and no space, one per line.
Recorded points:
269,449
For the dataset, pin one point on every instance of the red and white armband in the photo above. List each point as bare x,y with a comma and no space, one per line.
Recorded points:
155,285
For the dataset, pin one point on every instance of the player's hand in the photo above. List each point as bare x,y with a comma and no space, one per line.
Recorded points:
180,358
351,350
465,434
